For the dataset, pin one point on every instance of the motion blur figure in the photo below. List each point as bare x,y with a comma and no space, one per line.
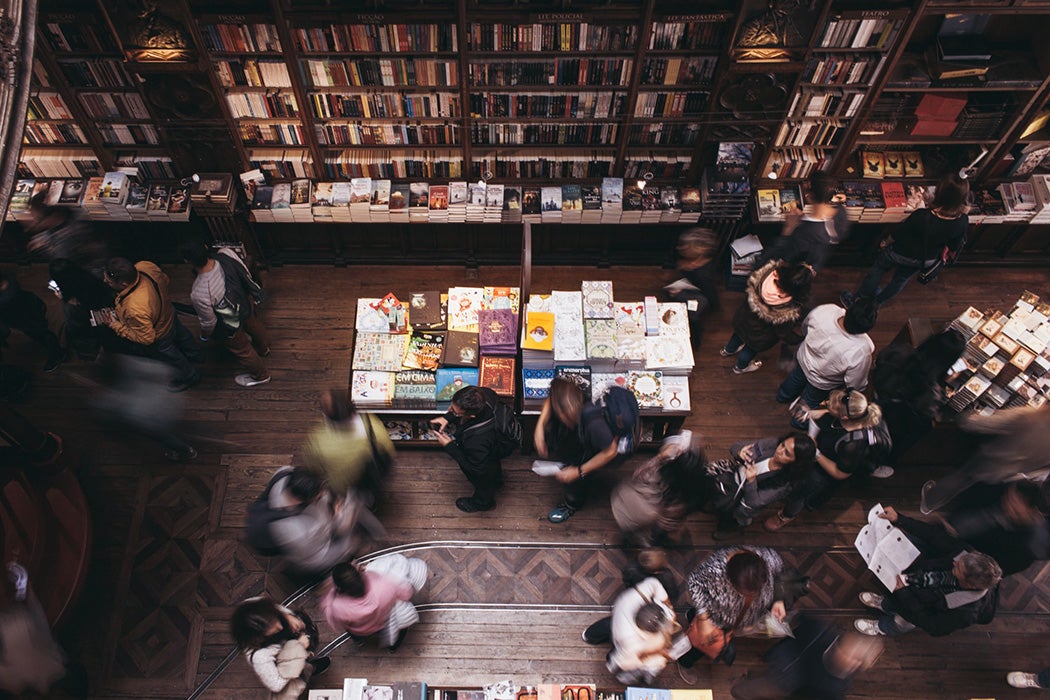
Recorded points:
136,396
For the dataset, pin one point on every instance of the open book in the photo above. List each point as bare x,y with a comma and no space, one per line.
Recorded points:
102,317
885,548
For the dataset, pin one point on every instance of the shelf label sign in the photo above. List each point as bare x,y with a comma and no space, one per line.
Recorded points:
717,17
559,17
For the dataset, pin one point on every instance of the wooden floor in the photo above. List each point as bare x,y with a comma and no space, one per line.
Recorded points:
168,566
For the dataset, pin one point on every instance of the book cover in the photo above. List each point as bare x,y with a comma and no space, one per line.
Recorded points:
371,387
647,386
424,350
399,197
874,164
452,379
476,194
73,190
300,194
578,691
497,330
551,197
894,196
354,688
600,335
767,202
913,166
282,196
530,200
378,692
494,197
361,190
500,298
612,191
438,199
691,201
536,383
539,331
457,193
333,694
137,195
894,163
691,694
790,200
414,388
419,195
410,690
500,690
512,199
461,349
380,195
425,311
571,198
580,375
548,691
634,693
263,197
675,393
632,197
159,194
179,201
597,298
592,197
382,352
463,306
497,373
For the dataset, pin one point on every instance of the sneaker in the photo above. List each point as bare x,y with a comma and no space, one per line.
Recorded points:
725,353
776,522
847,298
320,664
176,456
752,366
469,505
868,627
1019,679
688,676
924,508
871,600
248,380
561,513
883,472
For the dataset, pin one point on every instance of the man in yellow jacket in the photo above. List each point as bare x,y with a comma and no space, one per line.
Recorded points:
146,318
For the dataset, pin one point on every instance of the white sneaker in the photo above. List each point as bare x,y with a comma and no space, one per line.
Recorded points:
883,472
247,380
868,627
752,366
926,488
872,600
1019,679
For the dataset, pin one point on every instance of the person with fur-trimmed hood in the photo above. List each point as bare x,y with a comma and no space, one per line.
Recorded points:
777,293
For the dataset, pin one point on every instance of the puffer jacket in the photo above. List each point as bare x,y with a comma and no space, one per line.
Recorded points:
144,310
761,325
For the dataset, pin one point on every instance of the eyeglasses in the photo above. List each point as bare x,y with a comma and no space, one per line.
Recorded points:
845,404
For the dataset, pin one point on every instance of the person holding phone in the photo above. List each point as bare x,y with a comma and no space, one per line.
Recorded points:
467,432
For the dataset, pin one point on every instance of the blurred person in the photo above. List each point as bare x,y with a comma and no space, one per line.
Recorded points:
918,241
1009,522
836,351
698,286
777,292
81,292
26,312
350,449
135,396
650,505
1018,450
641,629
819,663
467,432
30,658
947,588
806,237
60,232
301,522
226,308
573,431
852,441
279,646
146,318
375,598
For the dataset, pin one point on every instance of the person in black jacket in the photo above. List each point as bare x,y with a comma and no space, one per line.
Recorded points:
26,312
468,434
82,292
949,587
808,237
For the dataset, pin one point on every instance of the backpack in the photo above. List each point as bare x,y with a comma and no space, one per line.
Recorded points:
507,426
260,515
240,285
879,442
620,409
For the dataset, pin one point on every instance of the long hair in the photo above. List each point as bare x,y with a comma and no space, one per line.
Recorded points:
952,198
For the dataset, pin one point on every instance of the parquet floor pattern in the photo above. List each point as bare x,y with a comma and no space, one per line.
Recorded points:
169,567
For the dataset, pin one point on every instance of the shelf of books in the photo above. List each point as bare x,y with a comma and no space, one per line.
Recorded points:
362,689
118,195
1006,363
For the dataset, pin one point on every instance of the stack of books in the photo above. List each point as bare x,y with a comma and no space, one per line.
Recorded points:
213,194
379,201
612,200
360,199
114,194
457,202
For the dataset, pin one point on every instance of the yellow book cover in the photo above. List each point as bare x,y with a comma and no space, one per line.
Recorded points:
539,331
691,694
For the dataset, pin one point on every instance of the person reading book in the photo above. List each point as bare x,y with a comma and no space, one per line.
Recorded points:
467,432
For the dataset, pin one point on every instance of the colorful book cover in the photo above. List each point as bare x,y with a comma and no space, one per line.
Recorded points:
425,311
424,351
383,352
530,200
399,196
497,373
874,164
612,191
578,691
913,166
158,198
592,197
600,334
452,379
371,387
647,386
571,198
894,161
497,330
512,199
415,388
179,201
463,306
790,200
500,298
461,349
300,196
539,331
580,375
361,190
536,383
691,201
438,200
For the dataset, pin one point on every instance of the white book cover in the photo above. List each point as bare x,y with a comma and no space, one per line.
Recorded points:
676,393
463,306
369,318
354,688
674,319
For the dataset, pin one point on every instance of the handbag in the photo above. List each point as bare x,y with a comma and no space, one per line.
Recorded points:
707,637
727,483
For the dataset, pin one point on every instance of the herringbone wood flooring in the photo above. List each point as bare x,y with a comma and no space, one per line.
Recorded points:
169,566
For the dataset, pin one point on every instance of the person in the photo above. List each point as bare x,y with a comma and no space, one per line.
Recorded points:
279,646
808,237
650,506
375,598
467,433
919,241
26,312
349,450
773,468
732,591
574,432
698,287
312,530
909,384
836,351
852,440
1018,450
1020,679
819,662
59,232
218,282
947,588
776,294
81,292
1009,522
641,630
146,318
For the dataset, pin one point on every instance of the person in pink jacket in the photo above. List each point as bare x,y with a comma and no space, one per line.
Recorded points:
375,598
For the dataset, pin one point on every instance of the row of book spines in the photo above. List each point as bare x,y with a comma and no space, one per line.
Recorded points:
386,72
48,106
388,134
809,133
800,162
560,71
77,36
670,104
860,33
400,170
699,70
680,36
376,38
253,73
829,105
59,163
51,134
97,72
600,105
328,105
271,134
129,134
109,105
563,36
259,106
543,134
842,70
241,38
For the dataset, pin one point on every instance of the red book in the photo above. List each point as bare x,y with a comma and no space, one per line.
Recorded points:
497,373
893,195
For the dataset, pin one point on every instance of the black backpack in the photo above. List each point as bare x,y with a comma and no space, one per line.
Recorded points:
508,429
620,409
240,285
261,515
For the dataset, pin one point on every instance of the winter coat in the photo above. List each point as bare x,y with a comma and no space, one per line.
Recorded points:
144,310
763,326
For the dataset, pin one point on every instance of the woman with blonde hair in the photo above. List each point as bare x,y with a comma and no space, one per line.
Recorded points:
852,441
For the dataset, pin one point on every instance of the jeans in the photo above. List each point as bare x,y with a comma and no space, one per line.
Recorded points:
891,623
177,348
745,355
903,270
796,384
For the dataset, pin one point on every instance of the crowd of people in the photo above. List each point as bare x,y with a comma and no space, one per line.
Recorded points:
851,415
